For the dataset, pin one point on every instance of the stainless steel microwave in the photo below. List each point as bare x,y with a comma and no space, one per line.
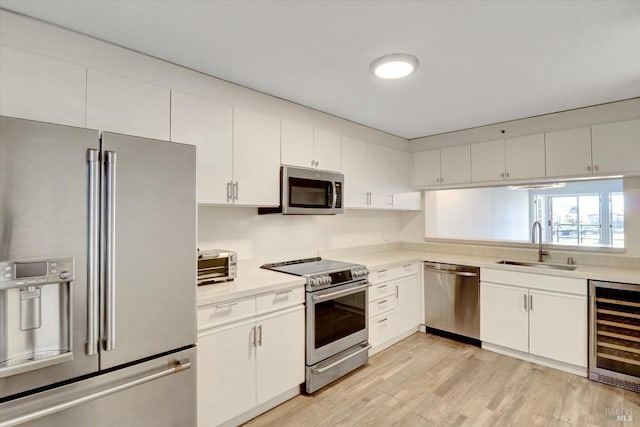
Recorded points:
307,191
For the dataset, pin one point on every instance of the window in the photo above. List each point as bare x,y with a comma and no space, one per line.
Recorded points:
582,213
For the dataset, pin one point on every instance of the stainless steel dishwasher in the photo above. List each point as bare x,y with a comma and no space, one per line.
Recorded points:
452,301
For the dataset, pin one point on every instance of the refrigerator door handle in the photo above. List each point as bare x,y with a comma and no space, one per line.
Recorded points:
93,280
180,365
110,252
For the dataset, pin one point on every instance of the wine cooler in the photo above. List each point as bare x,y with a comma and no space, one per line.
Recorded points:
614,345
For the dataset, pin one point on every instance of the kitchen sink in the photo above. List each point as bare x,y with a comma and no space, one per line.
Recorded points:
539,265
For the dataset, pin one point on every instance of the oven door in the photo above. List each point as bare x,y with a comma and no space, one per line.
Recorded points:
310,191
336,320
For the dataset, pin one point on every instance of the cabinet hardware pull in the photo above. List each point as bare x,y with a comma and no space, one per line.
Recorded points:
381,271
228,191
260,335
384,301
254,340
589,168
525,302
596,168
226,305
507,174
236,190
382,286
407,265
530,302
383,320
502,175
397,291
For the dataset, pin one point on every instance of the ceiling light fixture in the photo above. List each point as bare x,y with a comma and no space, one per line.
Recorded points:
394,66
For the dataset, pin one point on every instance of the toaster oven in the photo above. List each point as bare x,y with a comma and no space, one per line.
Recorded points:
216,265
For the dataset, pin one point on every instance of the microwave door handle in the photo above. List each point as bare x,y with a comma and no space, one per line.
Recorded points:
335,195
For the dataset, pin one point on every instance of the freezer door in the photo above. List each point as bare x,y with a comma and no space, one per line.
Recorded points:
160,392
149,248
43,215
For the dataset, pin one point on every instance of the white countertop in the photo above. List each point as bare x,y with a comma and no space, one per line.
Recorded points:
251,280
383,259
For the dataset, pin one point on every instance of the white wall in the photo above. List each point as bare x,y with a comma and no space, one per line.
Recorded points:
279,237
478,214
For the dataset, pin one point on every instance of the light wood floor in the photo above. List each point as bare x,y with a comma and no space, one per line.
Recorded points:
426,380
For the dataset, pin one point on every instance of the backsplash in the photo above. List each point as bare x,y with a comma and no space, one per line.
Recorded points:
278,237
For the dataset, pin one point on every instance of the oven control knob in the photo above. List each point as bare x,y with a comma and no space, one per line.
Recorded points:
326,280
313,282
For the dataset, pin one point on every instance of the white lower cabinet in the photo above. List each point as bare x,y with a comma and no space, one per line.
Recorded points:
226,373
535,317
249,362
394,304
280,353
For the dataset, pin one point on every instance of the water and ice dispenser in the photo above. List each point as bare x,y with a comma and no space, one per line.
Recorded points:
35,314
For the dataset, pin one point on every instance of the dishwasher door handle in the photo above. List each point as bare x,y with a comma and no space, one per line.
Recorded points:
455,273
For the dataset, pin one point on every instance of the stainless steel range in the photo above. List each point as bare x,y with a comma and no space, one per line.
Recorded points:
337,331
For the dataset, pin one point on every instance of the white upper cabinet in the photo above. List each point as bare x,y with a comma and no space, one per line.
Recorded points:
354,167
296,144
442,167
616,147
509,159
568,152
208,125
455,165
399,170
524,157
123,105
327,150
426,168
38,88
302,145
256,158
378,176
488,161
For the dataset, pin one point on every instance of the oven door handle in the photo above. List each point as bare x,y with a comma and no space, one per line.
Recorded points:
332,295
337,362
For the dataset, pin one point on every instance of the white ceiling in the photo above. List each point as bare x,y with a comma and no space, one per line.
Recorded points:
482,62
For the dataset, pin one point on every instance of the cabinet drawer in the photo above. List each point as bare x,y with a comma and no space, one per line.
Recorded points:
381,290
279,299
381,328
223,312
380,305
569,285
393,272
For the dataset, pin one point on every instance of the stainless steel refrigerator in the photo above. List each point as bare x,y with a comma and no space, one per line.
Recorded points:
97,278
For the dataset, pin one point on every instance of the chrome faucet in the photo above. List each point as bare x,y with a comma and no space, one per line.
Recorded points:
533,239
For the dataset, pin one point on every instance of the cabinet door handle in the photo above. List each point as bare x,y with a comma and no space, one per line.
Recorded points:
589,168
507,175
228,191
525,302
530,302
236,191
260,335
384,301
397,291
226,305
596,168
254,337
502,175
383,320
